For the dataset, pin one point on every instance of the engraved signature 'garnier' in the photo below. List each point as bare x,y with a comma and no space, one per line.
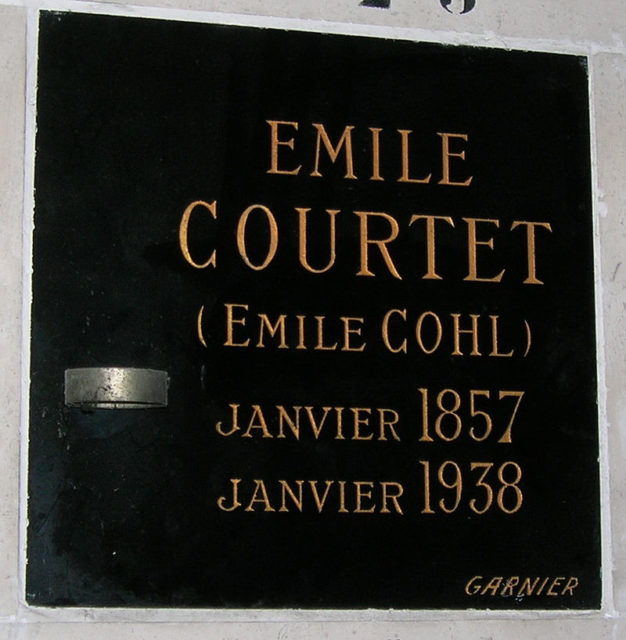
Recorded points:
520,586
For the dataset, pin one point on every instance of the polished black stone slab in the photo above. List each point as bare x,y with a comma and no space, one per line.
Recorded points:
437,356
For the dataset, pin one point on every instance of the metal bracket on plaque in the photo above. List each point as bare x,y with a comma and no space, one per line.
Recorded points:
116,388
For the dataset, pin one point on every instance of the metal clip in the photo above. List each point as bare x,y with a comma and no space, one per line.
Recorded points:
116,388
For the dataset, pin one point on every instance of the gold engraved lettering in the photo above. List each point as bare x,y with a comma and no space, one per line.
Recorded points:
456,484
221,501
363,493
530,247
314,426
529,338
404,134
387,495
257,413
287,490
506,436
342,497
293,424
438,332
339,417
349,330
572,583
320,346
553,585
494,340
446,154
512,486
234,421
430,242
542,586
302,240
241,236
360,419
230,321
381,244
519,587
333,152
339,414
485,466
509,585
458,331
473,585
183,230
472,244
375,154
449,413
364,423
385,331
259,496
199,327
279,326
320,500
492,586
275,143
425,437
486,418
527,587
388,423
301,344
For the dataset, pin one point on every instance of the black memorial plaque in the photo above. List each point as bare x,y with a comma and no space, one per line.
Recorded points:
367,268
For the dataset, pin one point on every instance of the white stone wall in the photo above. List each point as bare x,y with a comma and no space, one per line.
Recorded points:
595,28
